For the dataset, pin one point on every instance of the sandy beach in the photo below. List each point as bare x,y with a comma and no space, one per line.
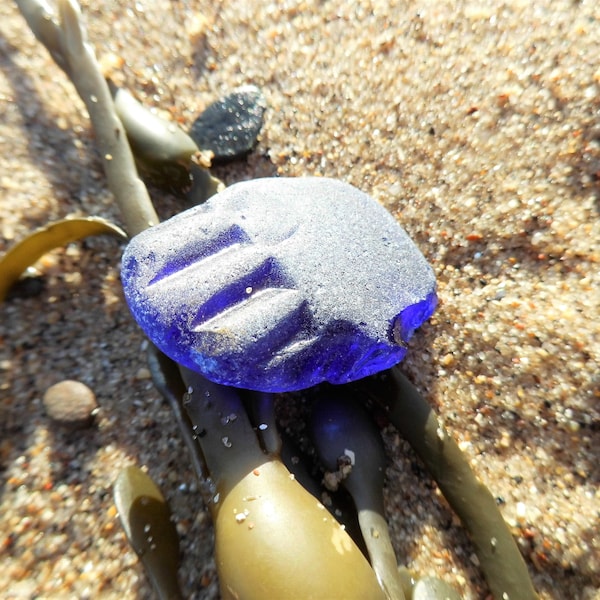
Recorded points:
477,127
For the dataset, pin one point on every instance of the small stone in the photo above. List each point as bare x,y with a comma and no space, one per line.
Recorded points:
29,286
143,373
230,126
447,360
70,403
432,588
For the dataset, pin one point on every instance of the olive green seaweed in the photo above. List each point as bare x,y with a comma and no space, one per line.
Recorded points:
260,407
272,537
67,43
59,233
342,428
147,522
499,556
167,380
163,152
223,430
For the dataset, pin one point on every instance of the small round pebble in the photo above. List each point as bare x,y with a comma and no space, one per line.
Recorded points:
230,126
432,588
29,286
70,403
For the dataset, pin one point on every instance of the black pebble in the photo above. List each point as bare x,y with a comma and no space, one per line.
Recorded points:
27,287
230,126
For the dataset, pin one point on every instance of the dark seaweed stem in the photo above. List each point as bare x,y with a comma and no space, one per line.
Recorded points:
67,43
343,432
500,559
223,407
222,441
260,407
167,380
223,430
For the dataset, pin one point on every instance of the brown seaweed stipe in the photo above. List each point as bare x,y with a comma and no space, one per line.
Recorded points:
500,559
342,428
146,518
262,515
163,152
66,40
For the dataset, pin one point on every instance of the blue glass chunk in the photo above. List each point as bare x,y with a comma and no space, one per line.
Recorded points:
279,284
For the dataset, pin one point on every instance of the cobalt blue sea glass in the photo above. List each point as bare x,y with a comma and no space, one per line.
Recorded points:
279,284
